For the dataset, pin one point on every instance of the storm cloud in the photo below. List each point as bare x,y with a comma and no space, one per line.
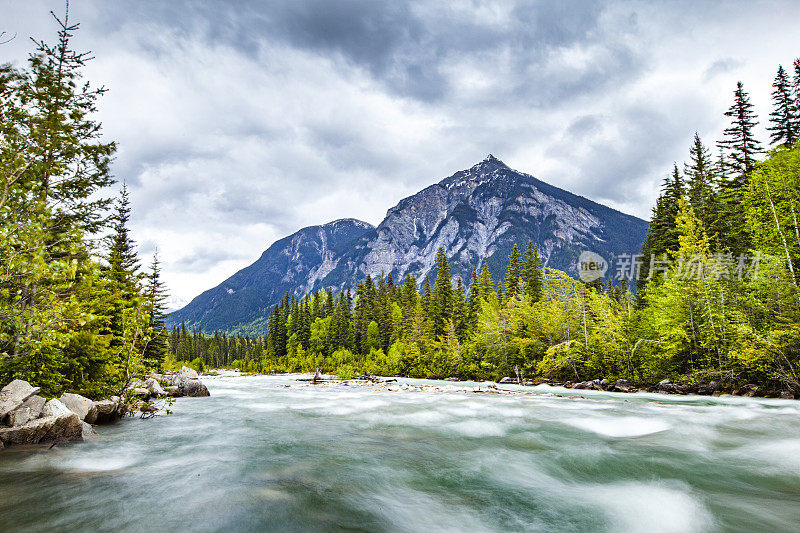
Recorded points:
239,122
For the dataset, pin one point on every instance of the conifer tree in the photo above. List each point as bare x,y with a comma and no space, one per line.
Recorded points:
532,274
156,294
739,140
442,303
700,189
123,263
783,119
662,234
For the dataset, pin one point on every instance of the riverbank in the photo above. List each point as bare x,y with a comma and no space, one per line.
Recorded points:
27,419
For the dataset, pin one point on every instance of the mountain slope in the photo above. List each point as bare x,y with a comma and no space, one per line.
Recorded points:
476,214
247,296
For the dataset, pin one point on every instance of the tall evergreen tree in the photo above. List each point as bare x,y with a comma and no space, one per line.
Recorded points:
662,234
700,189
156,294
783,119
123,263
442,303
532,274
739,140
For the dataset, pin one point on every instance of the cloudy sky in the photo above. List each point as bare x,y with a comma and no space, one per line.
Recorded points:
240,122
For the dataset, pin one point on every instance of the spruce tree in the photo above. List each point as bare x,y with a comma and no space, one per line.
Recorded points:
532,274
700,188
442,303
662,235
783,119
156,294
123,264
739,140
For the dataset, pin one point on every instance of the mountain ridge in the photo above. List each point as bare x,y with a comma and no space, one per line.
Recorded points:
476,214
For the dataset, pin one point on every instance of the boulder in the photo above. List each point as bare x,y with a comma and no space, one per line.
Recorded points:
83,407
623,385
786,395
508,379
154,387
14,395
29,410
193,388
140,392
188,373
172,392
106,411
64,427
55,408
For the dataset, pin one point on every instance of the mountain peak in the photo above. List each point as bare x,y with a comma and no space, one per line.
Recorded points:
491,162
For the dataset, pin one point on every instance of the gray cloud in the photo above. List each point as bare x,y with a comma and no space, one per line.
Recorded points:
239,122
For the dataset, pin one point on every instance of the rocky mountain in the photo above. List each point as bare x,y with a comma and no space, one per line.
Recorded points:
476,214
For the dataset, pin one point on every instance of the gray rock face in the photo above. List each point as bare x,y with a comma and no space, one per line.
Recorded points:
477,215
79,405
29,410
14,395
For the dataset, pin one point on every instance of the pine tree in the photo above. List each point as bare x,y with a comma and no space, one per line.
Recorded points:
123,264
532,274
156,294
739,141
662,235
701,191
783,118
442,303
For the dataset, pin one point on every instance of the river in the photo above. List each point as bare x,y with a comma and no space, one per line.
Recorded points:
268,453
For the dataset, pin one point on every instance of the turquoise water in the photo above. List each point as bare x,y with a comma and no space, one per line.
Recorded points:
273,454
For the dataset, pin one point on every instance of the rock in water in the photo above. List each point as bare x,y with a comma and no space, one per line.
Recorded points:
79,405
193,388
59,428
106,411
14,394
88,432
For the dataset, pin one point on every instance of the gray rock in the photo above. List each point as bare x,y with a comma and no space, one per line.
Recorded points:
154,387
193,388
88,432
29,410
664,382
188,373
508,380
55,408
172,391
64,427
106,411
14,395
786,395
79,405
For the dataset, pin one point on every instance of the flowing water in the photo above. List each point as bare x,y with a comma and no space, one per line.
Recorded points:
273,454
